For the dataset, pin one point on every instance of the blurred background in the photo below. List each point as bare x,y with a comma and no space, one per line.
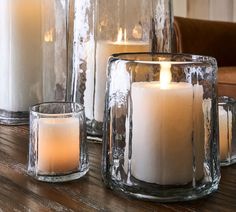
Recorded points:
221,10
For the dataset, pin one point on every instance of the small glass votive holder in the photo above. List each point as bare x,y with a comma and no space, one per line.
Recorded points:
227,130
57,149
161,126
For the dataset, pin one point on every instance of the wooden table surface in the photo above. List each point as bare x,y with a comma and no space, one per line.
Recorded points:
20,192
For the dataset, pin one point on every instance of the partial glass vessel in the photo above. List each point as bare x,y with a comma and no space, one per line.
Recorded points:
227,130
161,126
34,40
57,150
110,26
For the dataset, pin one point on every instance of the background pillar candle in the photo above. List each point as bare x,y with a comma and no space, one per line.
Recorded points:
20,84
104,50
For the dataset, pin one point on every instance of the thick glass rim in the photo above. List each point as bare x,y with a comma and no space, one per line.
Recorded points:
226,100
188,58
78,108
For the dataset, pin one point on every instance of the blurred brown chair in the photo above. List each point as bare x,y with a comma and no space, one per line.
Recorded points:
212,38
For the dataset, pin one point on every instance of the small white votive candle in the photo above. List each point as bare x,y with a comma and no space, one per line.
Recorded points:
58,145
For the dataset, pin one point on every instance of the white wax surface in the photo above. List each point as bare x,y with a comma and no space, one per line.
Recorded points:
20,66
58,145
225,132
104,50
162,151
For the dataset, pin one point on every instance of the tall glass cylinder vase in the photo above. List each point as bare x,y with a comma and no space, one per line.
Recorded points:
227,130
161,126
110,26
34,38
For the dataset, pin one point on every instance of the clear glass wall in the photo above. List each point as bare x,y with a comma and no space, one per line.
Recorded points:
34,38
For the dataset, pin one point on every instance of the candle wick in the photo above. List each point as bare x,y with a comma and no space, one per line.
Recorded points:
165,75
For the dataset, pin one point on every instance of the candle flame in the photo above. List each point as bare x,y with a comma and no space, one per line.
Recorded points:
165,75
48,36
137,32
121,34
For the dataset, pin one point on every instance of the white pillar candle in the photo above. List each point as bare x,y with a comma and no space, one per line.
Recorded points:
20,66
163,122
104,50
225,132
58,145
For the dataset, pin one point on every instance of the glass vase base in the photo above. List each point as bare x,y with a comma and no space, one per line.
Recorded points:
165,193
94,130
60,178
13,118
228,162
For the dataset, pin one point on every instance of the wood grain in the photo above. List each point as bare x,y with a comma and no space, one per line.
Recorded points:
20,192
